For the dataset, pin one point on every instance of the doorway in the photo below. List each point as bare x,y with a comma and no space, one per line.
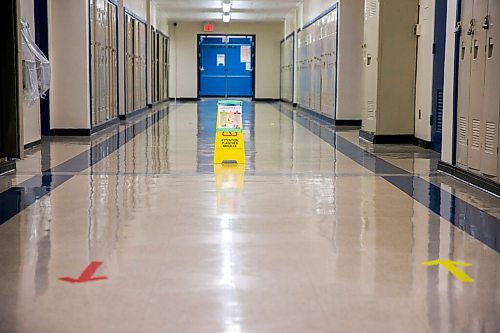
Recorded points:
226,66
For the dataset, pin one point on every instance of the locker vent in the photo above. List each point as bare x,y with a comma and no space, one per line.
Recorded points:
462,131
370,107
489,141
476,134
370,8
439,111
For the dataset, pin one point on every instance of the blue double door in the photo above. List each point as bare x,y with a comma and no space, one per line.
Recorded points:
226,66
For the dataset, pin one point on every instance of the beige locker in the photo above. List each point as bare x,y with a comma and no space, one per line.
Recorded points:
478,63
166,68
389,67
464,79
154,64
103,61
370,72
130,64
491,118
137,67
425,70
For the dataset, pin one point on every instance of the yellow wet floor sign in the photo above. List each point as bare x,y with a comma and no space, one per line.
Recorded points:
229,142
451,266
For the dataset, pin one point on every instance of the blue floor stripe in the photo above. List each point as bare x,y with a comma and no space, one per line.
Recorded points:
469,218
16,199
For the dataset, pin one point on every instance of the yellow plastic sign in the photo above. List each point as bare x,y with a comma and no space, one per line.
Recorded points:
229,141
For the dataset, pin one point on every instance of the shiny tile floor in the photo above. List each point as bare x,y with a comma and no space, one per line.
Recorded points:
319,232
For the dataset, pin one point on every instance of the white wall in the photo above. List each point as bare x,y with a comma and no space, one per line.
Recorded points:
138,7
350,55
449,79
31,114
159,19
69,54
183,44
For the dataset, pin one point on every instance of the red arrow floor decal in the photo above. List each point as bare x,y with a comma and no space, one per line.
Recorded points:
87,274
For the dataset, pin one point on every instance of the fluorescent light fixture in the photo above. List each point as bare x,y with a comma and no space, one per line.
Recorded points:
226,7
226,17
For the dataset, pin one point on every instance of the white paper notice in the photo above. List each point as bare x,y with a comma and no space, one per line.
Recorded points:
221,60
245,53
248,66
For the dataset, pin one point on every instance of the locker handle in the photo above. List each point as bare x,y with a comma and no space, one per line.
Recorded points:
470,31
490,47
486,23
368,60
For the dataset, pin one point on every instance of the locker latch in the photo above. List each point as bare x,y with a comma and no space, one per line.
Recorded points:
470,31
486,23
458,27
431,120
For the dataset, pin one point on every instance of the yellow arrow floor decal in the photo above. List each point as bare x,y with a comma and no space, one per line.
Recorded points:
451,266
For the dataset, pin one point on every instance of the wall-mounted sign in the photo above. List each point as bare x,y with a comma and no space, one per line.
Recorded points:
208,27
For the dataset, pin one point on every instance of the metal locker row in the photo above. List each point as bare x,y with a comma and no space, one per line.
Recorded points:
317,65
478,109
104,61
287,69
159,82
135,47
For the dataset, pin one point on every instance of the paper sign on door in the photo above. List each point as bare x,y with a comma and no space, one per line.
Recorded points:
245,53
221,60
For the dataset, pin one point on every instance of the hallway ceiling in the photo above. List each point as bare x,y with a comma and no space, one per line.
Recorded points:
242,10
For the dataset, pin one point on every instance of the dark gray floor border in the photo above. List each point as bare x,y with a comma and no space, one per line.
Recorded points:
16,199
465,216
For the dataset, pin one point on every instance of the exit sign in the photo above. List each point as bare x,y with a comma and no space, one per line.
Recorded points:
208,27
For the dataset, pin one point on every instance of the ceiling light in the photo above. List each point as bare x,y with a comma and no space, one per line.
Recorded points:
226,7
226,17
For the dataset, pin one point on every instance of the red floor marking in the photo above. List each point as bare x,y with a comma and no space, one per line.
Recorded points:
87,274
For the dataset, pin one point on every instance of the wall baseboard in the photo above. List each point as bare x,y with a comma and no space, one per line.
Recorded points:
185,99
336,122
160,102
400,139
479,181
133,113
269,100
422,143
32,144
84,131
348,122
7,166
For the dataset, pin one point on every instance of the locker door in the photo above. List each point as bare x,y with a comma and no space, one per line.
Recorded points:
333,62
438,79
425,63
115,62
290,69
130,64
370,72
317,50
491,117
464,83
143,85
478,63
93,60
137,67
282,72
